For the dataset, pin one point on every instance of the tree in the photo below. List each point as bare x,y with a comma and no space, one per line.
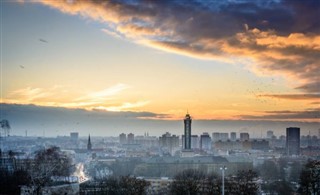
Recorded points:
5,125
123,185
268,170
10,182
243,183
277,187
187,182
310,178
214,184
47,164
132,185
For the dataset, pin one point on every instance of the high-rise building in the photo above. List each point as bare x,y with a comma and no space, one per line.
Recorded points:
224,136
130,139
269,134
215,136
74,136
187,132
123,138
194,141
168,140
293,141
205,141
244,137
89,145
233,136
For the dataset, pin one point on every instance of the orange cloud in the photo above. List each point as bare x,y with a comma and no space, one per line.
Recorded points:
274,46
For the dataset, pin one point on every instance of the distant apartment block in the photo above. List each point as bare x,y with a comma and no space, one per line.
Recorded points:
270,134
74,136
233,136
169,142
244,137
123,138
205,142
293,141
195,144
218,136
130,138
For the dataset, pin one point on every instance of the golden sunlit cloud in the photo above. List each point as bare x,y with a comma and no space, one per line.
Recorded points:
127,106
55,96
294,55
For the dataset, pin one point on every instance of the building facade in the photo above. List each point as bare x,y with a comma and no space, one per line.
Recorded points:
233,136
205,142
123,138
293,141
244,137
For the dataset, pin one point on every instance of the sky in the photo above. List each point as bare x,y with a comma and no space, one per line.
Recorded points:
248,63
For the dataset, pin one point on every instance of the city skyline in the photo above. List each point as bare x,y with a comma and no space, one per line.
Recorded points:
143,65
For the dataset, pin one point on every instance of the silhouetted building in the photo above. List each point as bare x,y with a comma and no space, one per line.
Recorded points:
233,136
187,132
123,138
244,137
293,141
205,141
130,138
89,146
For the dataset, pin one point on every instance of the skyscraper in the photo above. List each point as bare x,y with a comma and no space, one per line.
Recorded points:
187,132
293,141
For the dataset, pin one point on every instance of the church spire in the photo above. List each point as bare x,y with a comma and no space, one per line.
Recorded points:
89,146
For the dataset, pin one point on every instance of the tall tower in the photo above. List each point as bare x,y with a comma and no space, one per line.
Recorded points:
89,146
187,132
293,141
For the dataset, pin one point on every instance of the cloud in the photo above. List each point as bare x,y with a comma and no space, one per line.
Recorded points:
104,94
293,96
287,115
60,96
61,121
123,107
282,37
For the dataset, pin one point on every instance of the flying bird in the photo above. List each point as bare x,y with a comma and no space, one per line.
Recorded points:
42,40
21,66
